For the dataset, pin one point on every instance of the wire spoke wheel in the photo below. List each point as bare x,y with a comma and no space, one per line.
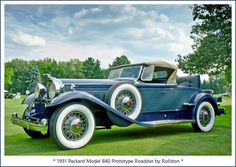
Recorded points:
205,117
74,126
125,102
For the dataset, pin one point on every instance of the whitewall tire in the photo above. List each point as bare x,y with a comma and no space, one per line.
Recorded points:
205,117
72,126
126,99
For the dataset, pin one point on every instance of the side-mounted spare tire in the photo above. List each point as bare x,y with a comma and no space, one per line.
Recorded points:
125,98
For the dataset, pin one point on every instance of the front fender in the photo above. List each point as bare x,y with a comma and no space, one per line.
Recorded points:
29,100
79,95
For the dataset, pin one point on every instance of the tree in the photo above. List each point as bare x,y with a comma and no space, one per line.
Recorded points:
34,78
122,60
218,85
211,34
91,68
8,77
20,75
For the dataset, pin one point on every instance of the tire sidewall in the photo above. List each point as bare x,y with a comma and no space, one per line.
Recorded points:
210,125
132,89
62,141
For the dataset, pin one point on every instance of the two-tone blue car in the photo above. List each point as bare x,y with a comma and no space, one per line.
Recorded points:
147,94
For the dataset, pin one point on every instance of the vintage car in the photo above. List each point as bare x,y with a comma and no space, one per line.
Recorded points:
147,94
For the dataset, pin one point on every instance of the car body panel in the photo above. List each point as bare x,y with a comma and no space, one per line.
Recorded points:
164,97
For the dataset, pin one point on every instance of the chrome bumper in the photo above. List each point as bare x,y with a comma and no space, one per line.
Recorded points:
40,126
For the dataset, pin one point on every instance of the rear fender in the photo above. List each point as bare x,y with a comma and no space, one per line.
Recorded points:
205,97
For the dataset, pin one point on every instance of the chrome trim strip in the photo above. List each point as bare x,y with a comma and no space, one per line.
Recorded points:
165,122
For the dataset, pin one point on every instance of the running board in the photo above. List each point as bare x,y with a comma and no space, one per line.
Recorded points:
165,122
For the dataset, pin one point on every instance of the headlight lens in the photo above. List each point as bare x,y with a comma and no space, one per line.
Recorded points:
36,91
54,88
39,90
51,90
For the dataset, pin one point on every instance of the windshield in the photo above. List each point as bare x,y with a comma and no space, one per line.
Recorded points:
126,72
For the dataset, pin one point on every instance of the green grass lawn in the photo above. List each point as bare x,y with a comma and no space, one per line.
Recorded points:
133,140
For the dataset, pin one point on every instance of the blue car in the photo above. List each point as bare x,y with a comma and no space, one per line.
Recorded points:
147,94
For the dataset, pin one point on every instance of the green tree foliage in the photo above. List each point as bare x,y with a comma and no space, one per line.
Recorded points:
91,68
122,60
8,77
34,78
211,33
20,77
218,85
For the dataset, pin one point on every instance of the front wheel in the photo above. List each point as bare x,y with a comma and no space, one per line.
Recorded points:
72,126
205,117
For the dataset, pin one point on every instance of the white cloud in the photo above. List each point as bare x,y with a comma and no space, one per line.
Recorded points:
134,33
84,12
164,18
128,9
70,31
95,10
138,32
61,21
65,51
80,13
124,14
27,39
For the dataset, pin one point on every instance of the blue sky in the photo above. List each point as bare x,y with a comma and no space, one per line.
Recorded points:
62,32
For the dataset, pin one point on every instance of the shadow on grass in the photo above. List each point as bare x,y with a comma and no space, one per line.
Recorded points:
23,144
134,133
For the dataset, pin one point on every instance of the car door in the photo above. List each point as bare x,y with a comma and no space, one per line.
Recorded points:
161,97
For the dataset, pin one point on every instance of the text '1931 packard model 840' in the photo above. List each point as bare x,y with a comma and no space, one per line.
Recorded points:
147,94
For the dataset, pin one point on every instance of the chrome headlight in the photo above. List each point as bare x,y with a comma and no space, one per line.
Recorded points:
54,88
39,91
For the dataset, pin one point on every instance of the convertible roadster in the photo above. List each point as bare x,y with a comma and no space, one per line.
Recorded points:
147,94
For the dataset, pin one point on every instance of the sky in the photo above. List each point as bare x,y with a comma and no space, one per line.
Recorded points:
64,32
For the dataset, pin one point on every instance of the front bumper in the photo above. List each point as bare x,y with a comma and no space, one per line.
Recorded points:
40,126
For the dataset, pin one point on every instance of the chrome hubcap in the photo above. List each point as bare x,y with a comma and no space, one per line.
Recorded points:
125,102
74,126
204,116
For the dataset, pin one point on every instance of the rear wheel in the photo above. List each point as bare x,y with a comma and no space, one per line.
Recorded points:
205,117
72,126
34,134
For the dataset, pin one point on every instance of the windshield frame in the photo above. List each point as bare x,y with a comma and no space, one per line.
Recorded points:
122,68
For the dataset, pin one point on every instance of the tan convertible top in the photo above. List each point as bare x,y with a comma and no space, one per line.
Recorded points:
159,63
162,63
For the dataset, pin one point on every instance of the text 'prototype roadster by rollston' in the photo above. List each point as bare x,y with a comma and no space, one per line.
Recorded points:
147,94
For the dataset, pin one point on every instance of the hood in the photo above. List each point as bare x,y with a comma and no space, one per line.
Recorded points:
87,84
105,82
92,84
